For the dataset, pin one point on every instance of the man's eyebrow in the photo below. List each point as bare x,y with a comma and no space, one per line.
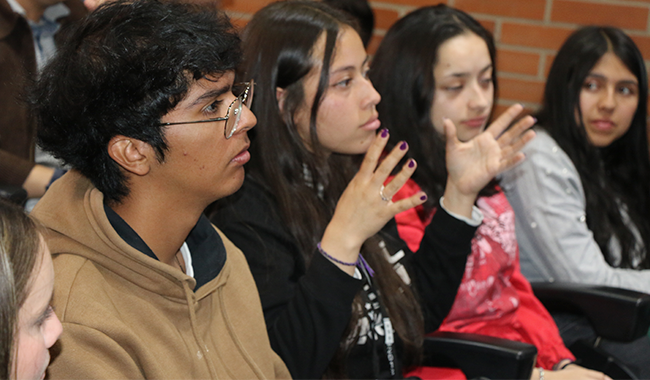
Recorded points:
351,67
212,94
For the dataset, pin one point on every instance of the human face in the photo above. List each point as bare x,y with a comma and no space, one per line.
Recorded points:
38,326
201,163
608,100
347,116
464,91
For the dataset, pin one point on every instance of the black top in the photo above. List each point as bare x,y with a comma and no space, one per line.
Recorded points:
205,245
308,309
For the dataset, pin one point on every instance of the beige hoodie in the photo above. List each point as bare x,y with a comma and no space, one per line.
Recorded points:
127,316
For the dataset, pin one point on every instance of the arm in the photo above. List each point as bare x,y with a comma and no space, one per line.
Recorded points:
438,266
306,312
555,242
441,248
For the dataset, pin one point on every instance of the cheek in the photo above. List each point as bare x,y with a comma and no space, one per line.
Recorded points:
628,109
32,356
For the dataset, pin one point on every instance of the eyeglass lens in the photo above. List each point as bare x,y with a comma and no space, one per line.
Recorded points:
236,109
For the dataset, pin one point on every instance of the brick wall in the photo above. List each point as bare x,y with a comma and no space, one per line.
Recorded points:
528,32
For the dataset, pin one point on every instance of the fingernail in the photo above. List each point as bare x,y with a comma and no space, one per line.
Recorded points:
384,132
411,163
534,119
423,198
403,145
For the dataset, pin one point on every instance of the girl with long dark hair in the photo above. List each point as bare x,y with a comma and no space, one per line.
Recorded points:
438,63
582,198
303,215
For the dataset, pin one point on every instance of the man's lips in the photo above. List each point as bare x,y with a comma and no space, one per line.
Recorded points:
243,156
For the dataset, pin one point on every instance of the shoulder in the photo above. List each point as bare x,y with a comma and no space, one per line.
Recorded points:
79,284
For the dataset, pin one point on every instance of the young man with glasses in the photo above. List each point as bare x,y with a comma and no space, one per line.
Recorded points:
140,102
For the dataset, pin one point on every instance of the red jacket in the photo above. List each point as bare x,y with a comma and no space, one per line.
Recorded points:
494,298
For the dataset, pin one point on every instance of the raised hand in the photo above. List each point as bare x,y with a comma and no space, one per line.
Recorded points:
473,164
365,205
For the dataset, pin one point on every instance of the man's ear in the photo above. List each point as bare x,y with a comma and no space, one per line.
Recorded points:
280,95
131,154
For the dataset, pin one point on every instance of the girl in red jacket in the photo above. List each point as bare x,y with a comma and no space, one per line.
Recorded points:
436,66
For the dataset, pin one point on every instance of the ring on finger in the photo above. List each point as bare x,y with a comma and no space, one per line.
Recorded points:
383,197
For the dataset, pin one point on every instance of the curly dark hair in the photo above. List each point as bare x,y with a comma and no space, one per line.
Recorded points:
118,72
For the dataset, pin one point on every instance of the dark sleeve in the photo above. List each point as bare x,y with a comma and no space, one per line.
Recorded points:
306,311
13,169
437,268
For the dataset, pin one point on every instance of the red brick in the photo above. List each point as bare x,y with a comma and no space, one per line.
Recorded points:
590,13
643,43
384,18
487,24
517,62
244,6
549,62
239,22
521,90
374,44
546,37
415,3
530,9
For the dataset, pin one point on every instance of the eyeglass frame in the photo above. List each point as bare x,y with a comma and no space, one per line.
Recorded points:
243,97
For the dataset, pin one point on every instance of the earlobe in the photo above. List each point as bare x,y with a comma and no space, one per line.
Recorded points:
280,95
131,154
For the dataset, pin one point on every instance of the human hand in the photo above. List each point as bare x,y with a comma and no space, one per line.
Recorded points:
473,164
361,212
571,372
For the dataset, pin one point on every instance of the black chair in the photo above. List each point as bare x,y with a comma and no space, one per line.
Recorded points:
616,314
480,356
14,194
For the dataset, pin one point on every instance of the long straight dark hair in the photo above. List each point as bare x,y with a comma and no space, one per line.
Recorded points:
613,177
278,50
402,72
19,258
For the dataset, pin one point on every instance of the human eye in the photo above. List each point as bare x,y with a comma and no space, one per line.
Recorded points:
591,85
213,108
345,83
45,316
628,89
365,70
486,82
453,87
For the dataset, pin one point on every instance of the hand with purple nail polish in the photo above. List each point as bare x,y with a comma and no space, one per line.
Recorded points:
366,204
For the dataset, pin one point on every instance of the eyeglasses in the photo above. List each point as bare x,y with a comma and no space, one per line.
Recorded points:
245,97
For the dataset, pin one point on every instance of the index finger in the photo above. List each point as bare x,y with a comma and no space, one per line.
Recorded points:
373,154
504,120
